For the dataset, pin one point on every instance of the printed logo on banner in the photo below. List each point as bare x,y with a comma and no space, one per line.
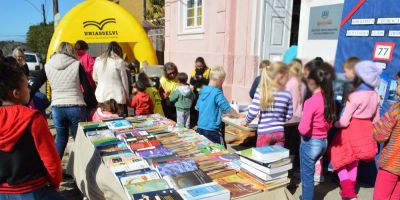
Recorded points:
383,51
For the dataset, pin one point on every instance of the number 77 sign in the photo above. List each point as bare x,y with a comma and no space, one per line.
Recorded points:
383,51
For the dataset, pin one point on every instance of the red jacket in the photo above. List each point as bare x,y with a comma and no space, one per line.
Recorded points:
142,104
353,143
25,139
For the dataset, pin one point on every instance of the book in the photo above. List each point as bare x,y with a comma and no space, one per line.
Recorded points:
270,153
267,168
210,148
176,167
157,152
188,179
209,191
215,174
248,153
147,186
102,137
118,124
241,185
283,182
169,194
111,149
132,178
144,144
262,175
124,162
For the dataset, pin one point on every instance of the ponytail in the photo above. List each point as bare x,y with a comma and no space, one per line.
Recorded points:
267,84
324,79
111,106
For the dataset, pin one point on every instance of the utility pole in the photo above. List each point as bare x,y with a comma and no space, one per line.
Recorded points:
56,13
44,14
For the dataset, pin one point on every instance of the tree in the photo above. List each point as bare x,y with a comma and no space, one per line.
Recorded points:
155,13
39,37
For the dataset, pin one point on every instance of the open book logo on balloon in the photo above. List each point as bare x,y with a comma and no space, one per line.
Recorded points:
100,25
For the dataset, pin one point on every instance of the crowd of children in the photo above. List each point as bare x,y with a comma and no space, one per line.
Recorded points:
280,93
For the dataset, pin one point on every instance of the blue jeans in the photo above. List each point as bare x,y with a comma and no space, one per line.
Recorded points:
44,193
213,136
311,150
66,119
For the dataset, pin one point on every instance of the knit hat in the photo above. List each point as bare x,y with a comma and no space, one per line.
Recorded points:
369,72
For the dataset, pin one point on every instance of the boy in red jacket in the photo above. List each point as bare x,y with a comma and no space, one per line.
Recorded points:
30,167
141,102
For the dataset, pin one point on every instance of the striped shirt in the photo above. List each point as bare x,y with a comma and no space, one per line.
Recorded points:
272,120
387,131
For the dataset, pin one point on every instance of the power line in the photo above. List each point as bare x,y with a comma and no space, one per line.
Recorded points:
34,6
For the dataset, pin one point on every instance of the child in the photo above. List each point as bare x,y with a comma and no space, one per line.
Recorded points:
107,110
256,81
274,104
354,140
30,167
317,118
152,92
387,131
349,74
141,101
296,87
183,98
211,104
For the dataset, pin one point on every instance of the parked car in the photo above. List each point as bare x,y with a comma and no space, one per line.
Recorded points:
34,61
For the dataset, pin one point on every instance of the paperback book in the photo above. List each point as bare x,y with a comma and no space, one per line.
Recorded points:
176,167
270,153
241,185
188,179
169,194
209,191
132,178
118,124
147,186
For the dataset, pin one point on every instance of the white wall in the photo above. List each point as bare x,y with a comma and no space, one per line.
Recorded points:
309,49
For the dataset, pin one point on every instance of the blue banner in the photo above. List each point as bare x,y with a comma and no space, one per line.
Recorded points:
371,31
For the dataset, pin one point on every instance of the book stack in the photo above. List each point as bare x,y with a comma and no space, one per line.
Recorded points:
269,164
153,159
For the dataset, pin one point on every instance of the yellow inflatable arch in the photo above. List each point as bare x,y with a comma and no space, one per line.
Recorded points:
102,21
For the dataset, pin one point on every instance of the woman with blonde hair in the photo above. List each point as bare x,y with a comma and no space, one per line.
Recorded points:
66,76
19,55
110,75
273,103
296,87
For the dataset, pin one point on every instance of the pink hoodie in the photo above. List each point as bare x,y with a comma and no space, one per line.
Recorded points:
87,62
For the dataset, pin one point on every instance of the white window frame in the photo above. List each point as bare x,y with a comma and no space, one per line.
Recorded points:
184,29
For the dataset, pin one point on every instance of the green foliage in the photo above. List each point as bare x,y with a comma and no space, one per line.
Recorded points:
39,37
155,13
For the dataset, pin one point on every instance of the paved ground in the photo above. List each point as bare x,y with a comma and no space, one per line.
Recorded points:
328,190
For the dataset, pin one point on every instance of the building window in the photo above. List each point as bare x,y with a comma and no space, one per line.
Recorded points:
192,15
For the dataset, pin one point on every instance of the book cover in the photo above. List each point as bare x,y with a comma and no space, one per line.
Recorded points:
188,179
210,148
176,167
206,191
271,152
148,186
124,162
169,194
248,153
144,145
157,152
119,124
215,174
133,178
240,185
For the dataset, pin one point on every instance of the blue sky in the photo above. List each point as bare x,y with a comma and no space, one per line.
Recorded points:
17,15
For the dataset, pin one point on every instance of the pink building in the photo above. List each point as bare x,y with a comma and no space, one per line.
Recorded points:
236,34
